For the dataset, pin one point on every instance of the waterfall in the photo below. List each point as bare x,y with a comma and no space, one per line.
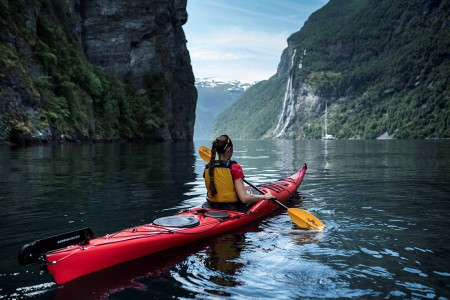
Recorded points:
288,110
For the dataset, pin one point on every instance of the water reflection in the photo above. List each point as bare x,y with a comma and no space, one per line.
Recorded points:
384,203
222,256
51,189
287,154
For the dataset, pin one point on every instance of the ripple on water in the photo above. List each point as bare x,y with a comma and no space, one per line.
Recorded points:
373,253
34,290
418,290
370,271
415,271
445,274
391,253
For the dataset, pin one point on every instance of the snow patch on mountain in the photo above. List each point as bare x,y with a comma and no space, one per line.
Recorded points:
230,85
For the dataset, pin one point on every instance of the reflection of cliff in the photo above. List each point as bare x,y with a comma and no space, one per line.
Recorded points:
316,154
107,187
174,168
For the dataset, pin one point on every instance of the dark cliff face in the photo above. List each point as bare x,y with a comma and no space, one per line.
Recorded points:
141,43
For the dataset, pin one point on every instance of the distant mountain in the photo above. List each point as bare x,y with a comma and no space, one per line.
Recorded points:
383,67
214,95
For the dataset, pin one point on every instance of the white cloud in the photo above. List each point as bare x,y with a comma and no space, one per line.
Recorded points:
239,38
222,52
244,38
207,55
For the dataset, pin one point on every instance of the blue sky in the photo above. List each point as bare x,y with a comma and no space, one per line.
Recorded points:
242,39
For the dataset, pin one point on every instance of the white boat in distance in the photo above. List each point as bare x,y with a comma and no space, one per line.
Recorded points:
327,136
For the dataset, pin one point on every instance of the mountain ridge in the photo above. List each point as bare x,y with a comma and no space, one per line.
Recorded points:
382,66
214,95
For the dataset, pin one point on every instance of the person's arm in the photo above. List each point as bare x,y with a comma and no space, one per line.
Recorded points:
246,197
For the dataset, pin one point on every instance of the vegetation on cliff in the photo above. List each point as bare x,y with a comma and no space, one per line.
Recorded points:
382,66
70,97
252,115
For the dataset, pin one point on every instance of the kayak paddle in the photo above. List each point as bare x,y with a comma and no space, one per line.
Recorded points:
301,218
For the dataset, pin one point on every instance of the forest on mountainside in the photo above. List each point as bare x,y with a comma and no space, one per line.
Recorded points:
52,91
70,92
383,67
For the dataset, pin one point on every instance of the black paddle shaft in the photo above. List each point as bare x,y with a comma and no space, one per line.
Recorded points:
262,193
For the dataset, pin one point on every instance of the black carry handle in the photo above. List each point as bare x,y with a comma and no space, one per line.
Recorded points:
32,253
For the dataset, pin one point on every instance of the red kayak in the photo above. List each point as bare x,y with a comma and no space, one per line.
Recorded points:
75,254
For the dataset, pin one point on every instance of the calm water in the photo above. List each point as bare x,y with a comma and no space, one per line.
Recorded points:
385,205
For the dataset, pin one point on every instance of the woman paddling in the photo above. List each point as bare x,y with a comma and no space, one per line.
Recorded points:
224,179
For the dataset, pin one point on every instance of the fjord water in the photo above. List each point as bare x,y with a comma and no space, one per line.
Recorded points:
385,205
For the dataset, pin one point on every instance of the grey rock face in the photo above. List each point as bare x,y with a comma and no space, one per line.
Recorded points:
142,40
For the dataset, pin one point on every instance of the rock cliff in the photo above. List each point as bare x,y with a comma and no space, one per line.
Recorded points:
139,41
95,70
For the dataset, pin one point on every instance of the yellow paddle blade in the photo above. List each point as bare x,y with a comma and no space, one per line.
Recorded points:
205,153
304,219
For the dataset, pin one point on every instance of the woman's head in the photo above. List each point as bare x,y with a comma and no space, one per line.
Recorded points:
221,144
